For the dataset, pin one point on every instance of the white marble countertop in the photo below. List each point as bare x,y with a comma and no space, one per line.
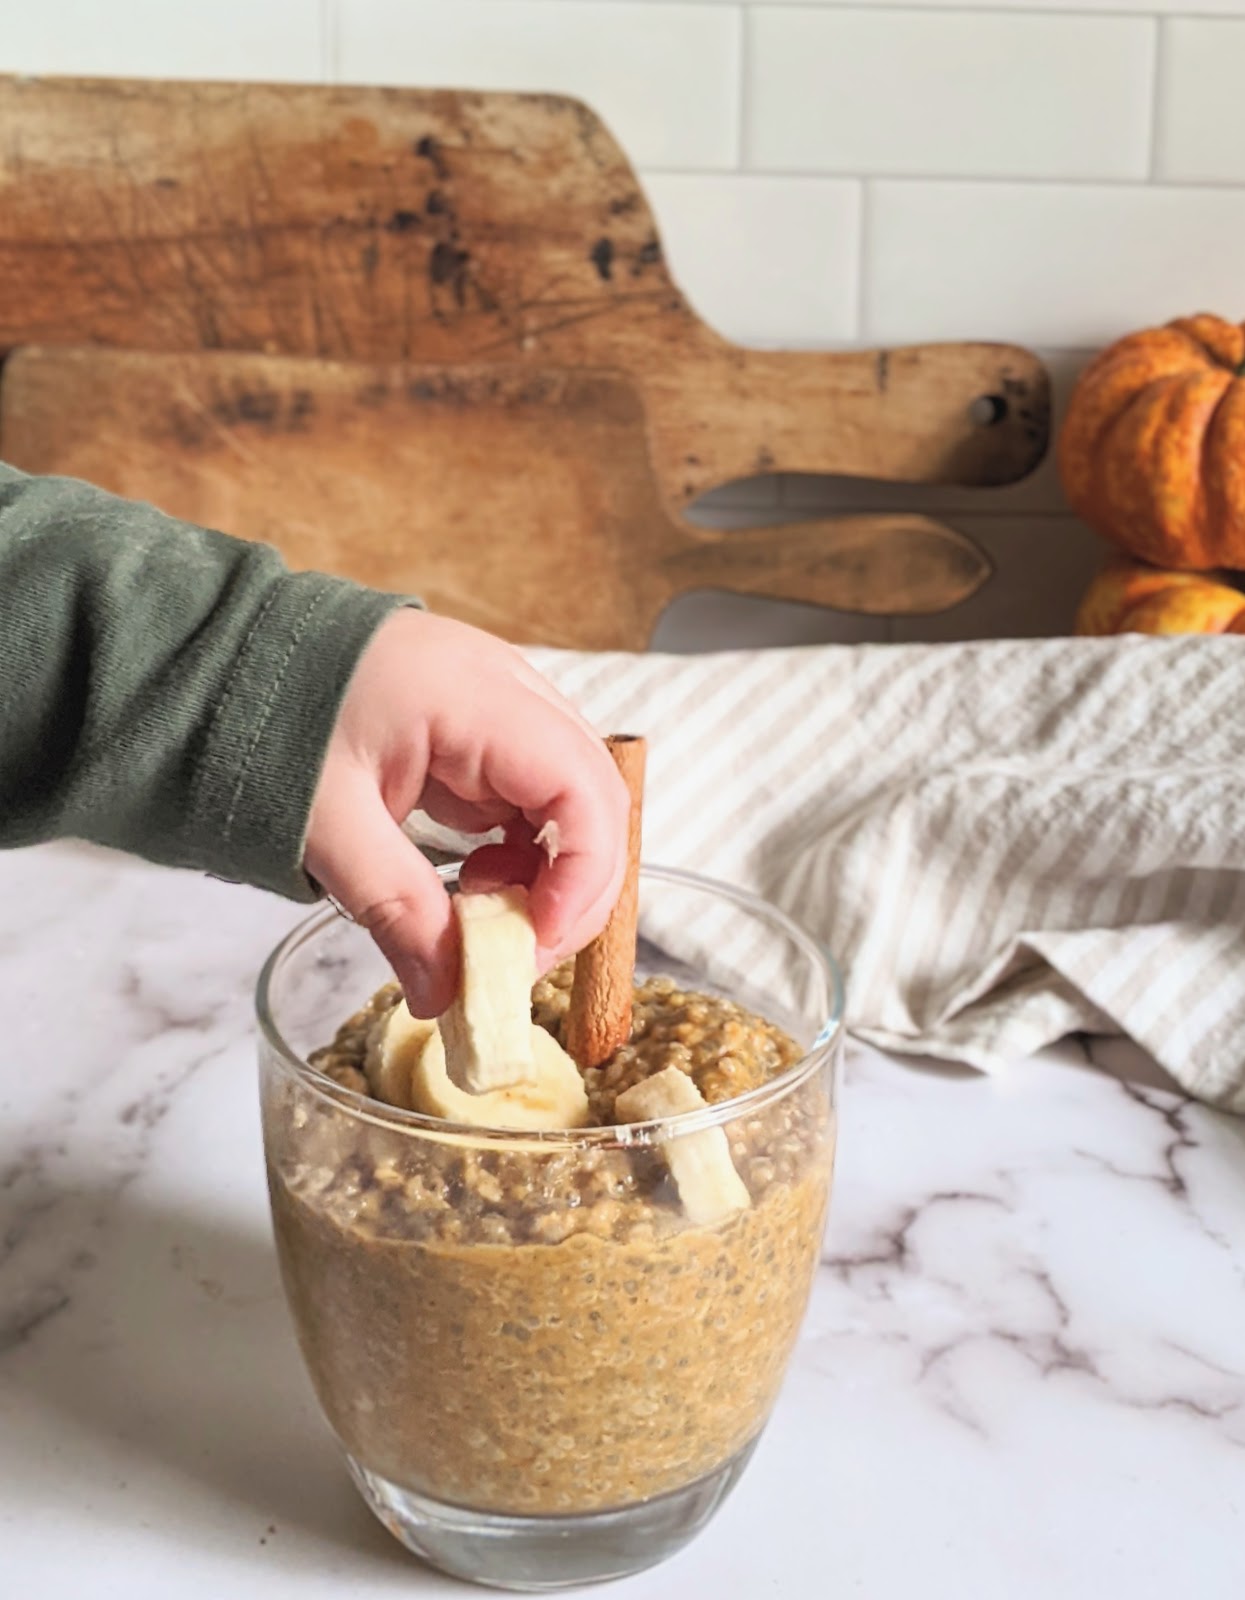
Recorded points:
1022,1373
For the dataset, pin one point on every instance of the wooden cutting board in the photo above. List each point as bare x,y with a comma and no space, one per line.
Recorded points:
514,497
413,225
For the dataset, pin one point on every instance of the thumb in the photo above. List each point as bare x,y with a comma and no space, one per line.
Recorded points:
364,860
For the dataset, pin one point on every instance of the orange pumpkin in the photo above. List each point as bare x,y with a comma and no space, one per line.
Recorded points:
1152,451
1127,597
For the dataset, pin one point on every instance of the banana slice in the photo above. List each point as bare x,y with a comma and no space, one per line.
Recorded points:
488,1027
556,1099
406,1067
700,1163
392,1048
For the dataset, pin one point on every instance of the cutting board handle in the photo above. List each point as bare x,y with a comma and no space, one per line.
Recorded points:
972,414
891,565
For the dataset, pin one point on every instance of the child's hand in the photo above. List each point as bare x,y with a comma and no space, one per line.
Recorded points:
444,718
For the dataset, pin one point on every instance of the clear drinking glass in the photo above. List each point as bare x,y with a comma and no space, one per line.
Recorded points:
541,1371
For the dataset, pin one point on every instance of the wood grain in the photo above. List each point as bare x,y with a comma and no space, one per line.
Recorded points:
517,498
439,227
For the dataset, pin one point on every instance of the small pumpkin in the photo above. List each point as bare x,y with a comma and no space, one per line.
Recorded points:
1152,451
1129,597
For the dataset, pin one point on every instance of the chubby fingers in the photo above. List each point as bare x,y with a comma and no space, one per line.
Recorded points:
559,775
370,867
464,816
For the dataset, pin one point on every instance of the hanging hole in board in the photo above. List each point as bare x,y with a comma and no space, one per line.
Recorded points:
988,409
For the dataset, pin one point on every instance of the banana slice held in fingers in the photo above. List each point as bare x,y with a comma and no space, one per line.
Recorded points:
485,1062
488,1027
700,1163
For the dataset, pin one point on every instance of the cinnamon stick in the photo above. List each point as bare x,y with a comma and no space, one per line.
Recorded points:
599,1017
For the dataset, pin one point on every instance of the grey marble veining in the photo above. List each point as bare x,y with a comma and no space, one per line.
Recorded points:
1022,1373
1008,1289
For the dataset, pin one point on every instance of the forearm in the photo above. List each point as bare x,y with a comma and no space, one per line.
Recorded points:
164,689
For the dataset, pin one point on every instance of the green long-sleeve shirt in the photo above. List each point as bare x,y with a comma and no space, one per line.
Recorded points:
165,689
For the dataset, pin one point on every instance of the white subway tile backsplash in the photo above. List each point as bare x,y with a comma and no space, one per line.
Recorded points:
765,260
1201,109
1135,7
952,93
275,39
1047,264
1159,7
665,78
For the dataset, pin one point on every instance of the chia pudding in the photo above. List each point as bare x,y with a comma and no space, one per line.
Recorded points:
531,1324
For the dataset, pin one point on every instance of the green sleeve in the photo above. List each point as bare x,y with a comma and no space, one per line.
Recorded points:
165,689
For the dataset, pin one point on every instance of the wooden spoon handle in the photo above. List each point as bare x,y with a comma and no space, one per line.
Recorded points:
890,565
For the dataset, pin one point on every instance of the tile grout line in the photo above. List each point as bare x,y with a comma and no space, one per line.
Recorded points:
864,254
945,179
743,97
934,8
1156,98
328,40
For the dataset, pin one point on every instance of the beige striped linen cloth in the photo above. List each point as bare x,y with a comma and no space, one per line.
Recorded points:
1002,842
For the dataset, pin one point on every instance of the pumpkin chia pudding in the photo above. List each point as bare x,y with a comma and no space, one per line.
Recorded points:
538,1324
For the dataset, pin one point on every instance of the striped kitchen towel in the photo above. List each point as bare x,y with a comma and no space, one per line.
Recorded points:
1002,842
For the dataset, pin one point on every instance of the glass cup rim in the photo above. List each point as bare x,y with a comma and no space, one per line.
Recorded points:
365,1108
